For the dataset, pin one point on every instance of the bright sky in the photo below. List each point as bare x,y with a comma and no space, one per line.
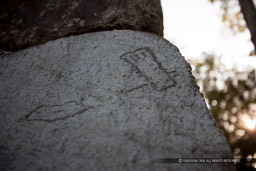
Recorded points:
196,27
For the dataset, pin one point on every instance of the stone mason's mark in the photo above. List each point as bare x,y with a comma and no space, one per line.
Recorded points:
52,113
147,65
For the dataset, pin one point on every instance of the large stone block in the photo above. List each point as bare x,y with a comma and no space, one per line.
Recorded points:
26,23
114,100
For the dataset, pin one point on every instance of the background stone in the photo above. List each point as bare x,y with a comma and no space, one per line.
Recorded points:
27,23
104,101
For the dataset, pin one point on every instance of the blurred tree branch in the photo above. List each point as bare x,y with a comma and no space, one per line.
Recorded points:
249,12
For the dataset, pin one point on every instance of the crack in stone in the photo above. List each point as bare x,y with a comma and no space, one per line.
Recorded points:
27,116
132,89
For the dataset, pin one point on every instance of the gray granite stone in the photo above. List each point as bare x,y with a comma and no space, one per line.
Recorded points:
27,23
114,100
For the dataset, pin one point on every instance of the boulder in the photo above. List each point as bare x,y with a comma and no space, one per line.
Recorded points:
113,100
27,23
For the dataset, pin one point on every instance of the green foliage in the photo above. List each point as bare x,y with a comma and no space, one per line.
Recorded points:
231,97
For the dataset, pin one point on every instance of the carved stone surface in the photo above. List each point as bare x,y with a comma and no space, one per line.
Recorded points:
26,23
116,100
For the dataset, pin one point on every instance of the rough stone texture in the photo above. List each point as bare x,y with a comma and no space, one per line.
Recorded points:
26,23
104,101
